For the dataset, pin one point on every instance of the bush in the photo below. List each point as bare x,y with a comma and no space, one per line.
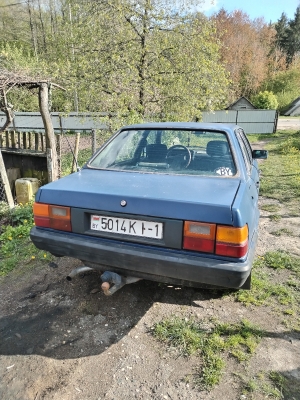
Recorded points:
265,101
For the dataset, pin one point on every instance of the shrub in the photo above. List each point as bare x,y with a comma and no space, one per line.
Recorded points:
265,100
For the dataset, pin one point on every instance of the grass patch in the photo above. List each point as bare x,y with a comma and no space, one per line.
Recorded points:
270,207
263,291
281,260
16,247
210,342
271,385
282,232
275,217
281,171
282,297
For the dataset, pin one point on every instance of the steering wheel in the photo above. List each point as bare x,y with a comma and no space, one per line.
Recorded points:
178,159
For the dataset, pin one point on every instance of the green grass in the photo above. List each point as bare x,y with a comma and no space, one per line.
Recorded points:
281,171
263,290
282,232
275,276
212,343
16,248
270,207
270,385
275,217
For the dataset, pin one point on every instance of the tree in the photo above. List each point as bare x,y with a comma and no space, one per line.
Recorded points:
140,57
281,28
246,50
143,58
288,35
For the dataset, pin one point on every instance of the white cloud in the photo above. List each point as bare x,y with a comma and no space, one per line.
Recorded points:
208,5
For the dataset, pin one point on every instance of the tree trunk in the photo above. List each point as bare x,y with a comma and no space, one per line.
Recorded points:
33,35
5,182
51,142
6,109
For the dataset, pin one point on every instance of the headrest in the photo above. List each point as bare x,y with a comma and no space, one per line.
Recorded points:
217,148
156,152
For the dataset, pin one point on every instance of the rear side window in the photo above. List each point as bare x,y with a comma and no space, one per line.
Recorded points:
246,149
168,151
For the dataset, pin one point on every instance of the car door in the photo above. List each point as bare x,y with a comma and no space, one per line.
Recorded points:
252,180
251,164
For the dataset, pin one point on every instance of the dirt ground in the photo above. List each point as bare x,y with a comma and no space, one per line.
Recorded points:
67,340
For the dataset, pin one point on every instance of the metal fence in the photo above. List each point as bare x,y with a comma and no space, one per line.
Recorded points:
75,149
252,121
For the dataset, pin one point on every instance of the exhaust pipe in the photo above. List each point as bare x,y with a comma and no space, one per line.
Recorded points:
77,271
117,280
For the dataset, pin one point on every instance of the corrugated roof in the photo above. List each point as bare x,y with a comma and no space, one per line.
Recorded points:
242,97
293,107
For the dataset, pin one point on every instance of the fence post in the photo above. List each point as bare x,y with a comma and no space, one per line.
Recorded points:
58,149
93,141
5,182
75,164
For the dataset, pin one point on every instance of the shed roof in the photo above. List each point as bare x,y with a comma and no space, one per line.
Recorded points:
294,106
238,100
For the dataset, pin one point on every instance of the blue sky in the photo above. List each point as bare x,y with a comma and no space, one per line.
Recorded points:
271,10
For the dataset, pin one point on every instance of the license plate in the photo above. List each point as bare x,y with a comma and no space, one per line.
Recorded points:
124,226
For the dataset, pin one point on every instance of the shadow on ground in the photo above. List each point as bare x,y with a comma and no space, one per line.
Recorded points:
55,318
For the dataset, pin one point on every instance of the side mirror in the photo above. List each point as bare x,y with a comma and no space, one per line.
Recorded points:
260,154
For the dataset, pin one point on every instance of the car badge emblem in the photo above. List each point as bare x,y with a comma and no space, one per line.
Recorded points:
123,203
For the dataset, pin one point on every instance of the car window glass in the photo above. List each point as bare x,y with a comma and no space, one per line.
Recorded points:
245,153
247,145
168,151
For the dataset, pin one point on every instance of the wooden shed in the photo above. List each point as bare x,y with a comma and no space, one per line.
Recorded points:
241,104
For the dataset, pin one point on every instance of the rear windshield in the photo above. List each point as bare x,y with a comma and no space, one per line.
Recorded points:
168,151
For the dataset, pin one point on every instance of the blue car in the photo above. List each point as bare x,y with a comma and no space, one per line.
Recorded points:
169,202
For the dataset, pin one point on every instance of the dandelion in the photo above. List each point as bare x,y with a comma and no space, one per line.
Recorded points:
32,257
45,255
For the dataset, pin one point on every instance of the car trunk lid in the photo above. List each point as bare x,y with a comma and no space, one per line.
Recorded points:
196,198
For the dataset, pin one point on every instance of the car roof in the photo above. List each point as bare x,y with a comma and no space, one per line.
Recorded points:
184,125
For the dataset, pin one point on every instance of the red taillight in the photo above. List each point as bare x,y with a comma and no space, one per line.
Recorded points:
231,241
218,239
51,216
199,236
231,250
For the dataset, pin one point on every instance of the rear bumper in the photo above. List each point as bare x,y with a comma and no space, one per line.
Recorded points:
158,264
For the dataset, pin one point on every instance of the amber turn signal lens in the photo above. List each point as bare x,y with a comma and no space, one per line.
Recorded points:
41,210
229,234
